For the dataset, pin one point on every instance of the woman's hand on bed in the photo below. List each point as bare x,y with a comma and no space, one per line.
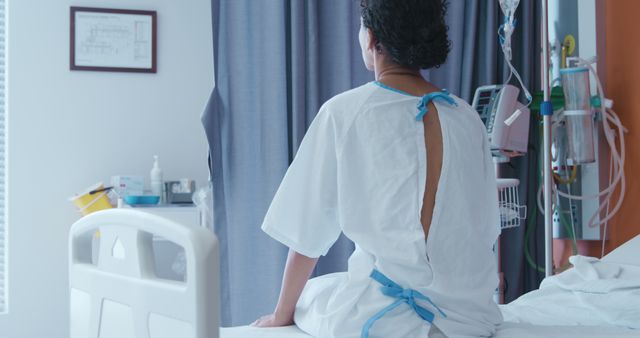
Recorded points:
296,273
273,320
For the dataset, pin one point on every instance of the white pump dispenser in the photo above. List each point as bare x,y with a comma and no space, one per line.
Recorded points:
156,178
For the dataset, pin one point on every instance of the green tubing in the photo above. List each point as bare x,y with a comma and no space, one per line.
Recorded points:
532,223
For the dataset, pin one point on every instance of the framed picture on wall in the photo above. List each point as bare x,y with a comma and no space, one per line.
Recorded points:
113,40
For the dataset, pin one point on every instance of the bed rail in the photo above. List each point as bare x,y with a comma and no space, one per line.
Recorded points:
115,291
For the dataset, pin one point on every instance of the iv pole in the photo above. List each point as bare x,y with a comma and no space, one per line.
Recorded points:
546,110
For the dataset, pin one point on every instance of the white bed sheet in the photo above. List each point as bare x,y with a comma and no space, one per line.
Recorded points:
507,330
629,253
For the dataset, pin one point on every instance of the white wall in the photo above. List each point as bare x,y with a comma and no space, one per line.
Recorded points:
68,130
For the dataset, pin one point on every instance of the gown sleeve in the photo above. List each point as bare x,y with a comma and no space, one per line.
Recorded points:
304,212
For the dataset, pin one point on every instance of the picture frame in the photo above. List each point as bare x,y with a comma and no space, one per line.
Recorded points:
113,40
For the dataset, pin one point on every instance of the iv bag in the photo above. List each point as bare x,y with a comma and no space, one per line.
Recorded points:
509,7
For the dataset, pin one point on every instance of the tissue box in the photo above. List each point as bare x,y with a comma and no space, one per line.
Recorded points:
179,192
128,185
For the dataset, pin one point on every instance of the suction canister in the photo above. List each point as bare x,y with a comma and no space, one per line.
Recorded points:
578,114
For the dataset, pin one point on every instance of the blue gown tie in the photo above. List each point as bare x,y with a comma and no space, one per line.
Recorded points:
408,296
424,103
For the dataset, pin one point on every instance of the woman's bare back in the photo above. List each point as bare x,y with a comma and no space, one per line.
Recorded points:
433,143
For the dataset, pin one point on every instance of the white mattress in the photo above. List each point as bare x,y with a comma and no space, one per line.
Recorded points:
507,330
252,332
627,253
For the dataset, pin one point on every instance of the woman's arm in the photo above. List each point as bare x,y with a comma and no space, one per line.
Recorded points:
296,273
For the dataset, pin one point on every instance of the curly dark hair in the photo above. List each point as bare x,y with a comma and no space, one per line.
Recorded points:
412,32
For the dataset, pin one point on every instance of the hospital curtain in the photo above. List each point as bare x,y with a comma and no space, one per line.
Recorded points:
275,63
3,234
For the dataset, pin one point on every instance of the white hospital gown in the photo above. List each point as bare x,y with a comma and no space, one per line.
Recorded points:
361,170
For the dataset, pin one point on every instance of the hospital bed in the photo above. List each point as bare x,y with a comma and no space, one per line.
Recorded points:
115,291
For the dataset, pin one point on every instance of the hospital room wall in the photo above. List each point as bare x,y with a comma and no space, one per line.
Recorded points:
69,129
618,47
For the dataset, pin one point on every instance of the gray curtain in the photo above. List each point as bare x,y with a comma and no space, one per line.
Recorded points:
276,62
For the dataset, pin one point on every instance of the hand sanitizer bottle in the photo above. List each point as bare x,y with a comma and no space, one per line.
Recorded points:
156,178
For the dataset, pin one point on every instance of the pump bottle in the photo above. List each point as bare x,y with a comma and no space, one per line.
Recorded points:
156,178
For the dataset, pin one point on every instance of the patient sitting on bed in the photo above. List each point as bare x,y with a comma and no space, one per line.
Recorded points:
403,169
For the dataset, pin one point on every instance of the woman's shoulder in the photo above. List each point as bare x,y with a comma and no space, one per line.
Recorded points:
343,108
465,109
462,123
463,113
350,99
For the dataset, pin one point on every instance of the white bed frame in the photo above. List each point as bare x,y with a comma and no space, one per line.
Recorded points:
117,294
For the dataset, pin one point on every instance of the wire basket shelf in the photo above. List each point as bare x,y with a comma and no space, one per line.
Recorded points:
511,211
